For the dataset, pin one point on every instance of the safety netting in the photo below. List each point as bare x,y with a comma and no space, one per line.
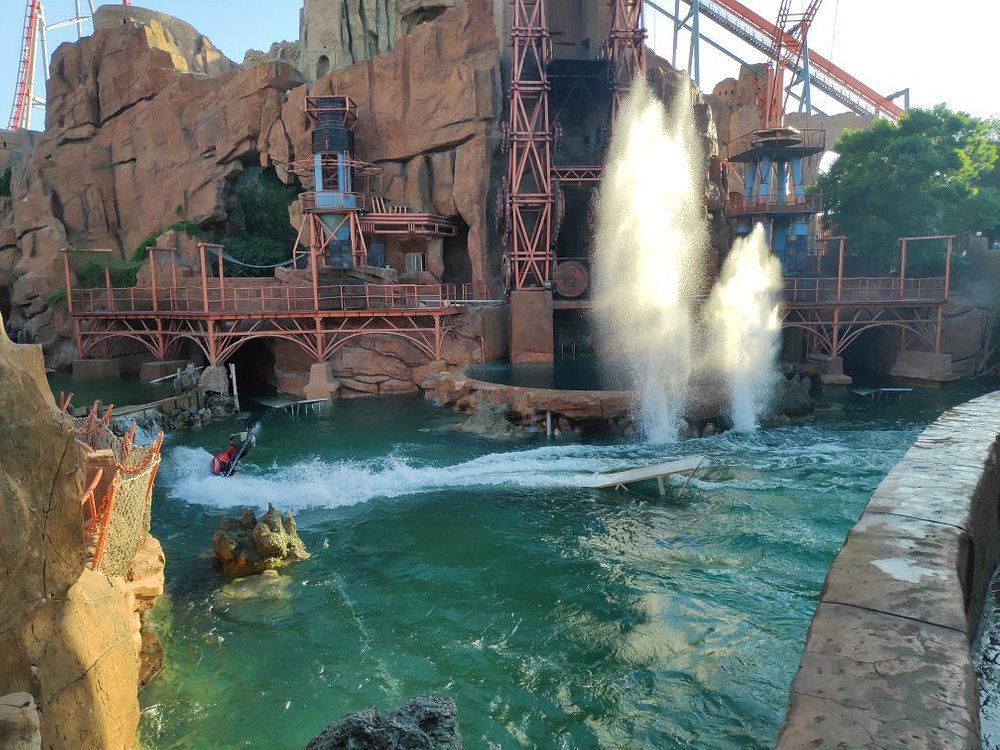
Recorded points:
120,516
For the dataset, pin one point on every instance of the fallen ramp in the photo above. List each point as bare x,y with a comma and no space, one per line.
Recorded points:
656,471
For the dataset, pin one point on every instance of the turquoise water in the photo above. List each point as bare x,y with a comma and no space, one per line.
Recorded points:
553,614
583,373
118,392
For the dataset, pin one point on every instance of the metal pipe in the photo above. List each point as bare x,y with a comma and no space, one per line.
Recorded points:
204,279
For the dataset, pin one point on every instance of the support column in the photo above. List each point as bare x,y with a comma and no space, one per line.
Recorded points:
322,383
531,327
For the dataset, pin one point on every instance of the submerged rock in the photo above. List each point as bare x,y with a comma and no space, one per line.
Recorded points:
791,397
425,722
245,546
490,420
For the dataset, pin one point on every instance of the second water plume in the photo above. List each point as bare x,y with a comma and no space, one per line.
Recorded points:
649,251
742,314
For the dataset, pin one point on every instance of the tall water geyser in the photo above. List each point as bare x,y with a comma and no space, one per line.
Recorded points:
652,238
742,315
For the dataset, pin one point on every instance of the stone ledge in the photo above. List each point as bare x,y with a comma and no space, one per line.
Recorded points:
887,660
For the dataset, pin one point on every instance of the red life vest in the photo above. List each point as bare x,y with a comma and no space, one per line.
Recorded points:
221,461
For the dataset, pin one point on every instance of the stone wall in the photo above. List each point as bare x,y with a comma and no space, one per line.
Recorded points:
887,658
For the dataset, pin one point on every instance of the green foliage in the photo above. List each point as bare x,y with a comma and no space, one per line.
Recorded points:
267,237
90,273
5,182
55,297
187,227
935,172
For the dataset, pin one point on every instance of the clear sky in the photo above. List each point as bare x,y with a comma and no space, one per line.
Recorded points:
943,51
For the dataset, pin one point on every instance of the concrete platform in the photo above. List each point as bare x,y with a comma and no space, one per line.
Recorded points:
160,368
96,369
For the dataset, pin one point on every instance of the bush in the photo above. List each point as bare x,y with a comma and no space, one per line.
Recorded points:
5,182
267,238
187,227
55,297
91,274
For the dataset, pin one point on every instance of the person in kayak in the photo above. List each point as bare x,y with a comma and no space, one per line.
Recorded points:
240,443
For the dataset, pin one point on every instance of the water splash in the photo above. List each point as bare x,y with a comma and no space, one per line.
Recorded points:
649,251
742,313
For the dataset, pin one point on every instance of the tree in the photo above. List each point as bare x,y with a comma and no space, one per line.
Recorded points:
933,172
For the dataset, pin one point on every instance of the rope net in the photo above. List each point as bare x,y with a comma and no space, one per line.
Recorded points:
121,516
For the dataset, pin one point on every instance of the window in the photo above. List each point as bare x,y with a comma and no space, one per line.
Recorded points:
414,262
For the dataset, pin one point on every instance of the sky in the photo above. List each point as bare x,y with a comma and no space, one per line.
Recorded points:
942,51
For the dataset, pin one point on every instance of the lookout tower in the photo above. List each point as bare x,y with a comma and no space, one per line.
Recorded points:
774,193
345,218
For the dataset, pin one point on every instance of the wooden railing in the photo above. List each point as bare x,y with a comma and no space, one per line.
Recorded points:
273,298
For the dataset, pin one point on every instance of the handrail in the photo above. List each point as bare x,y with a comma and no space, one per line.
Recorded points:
273,298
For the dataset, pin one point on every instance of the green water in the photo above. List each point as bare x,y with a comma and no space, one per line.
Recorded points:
118,392
553,614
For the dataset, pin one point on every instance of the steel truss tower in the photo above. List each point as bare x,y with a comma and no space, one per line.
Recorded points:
528,195
529,262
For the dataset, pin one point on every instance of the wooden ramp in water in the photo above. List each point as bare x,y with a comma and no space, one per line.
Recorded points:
659,472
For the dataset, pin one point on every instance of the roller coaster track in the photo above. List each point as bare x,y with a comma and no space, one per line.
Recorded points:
782,46
25,70
34,33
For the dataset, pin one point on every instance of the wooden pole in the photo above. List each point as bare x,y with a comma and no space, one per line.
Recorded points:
107,285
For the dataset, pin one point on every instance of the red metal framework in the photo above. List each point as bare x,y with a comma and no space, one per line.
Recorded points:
786,50
219,315
625,48
836,311
528,264
760,33
26,65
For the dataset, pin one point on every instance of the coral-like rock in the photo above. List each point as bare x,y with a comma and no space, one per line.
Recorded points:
245,546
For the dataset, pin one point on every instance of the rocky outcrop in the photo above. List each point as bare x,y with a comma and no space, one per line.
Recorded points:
425,723
245,546
490,420
70,637
285,52
335,34
19,726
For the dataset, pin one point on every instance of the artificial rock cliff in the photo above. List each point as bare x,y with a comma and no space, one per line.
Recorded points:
147,124
70,637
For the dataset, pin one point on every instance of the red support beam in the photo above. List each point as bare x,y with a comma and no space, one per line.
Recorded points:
529,164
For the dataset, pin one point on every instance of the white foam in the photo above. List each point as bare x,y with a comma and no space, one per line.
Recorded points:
318,483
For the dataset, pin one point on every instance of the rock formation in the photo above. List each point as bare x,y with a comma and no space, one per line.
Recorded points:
490,420
68,636
425,723
245,546
337,34
147,124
